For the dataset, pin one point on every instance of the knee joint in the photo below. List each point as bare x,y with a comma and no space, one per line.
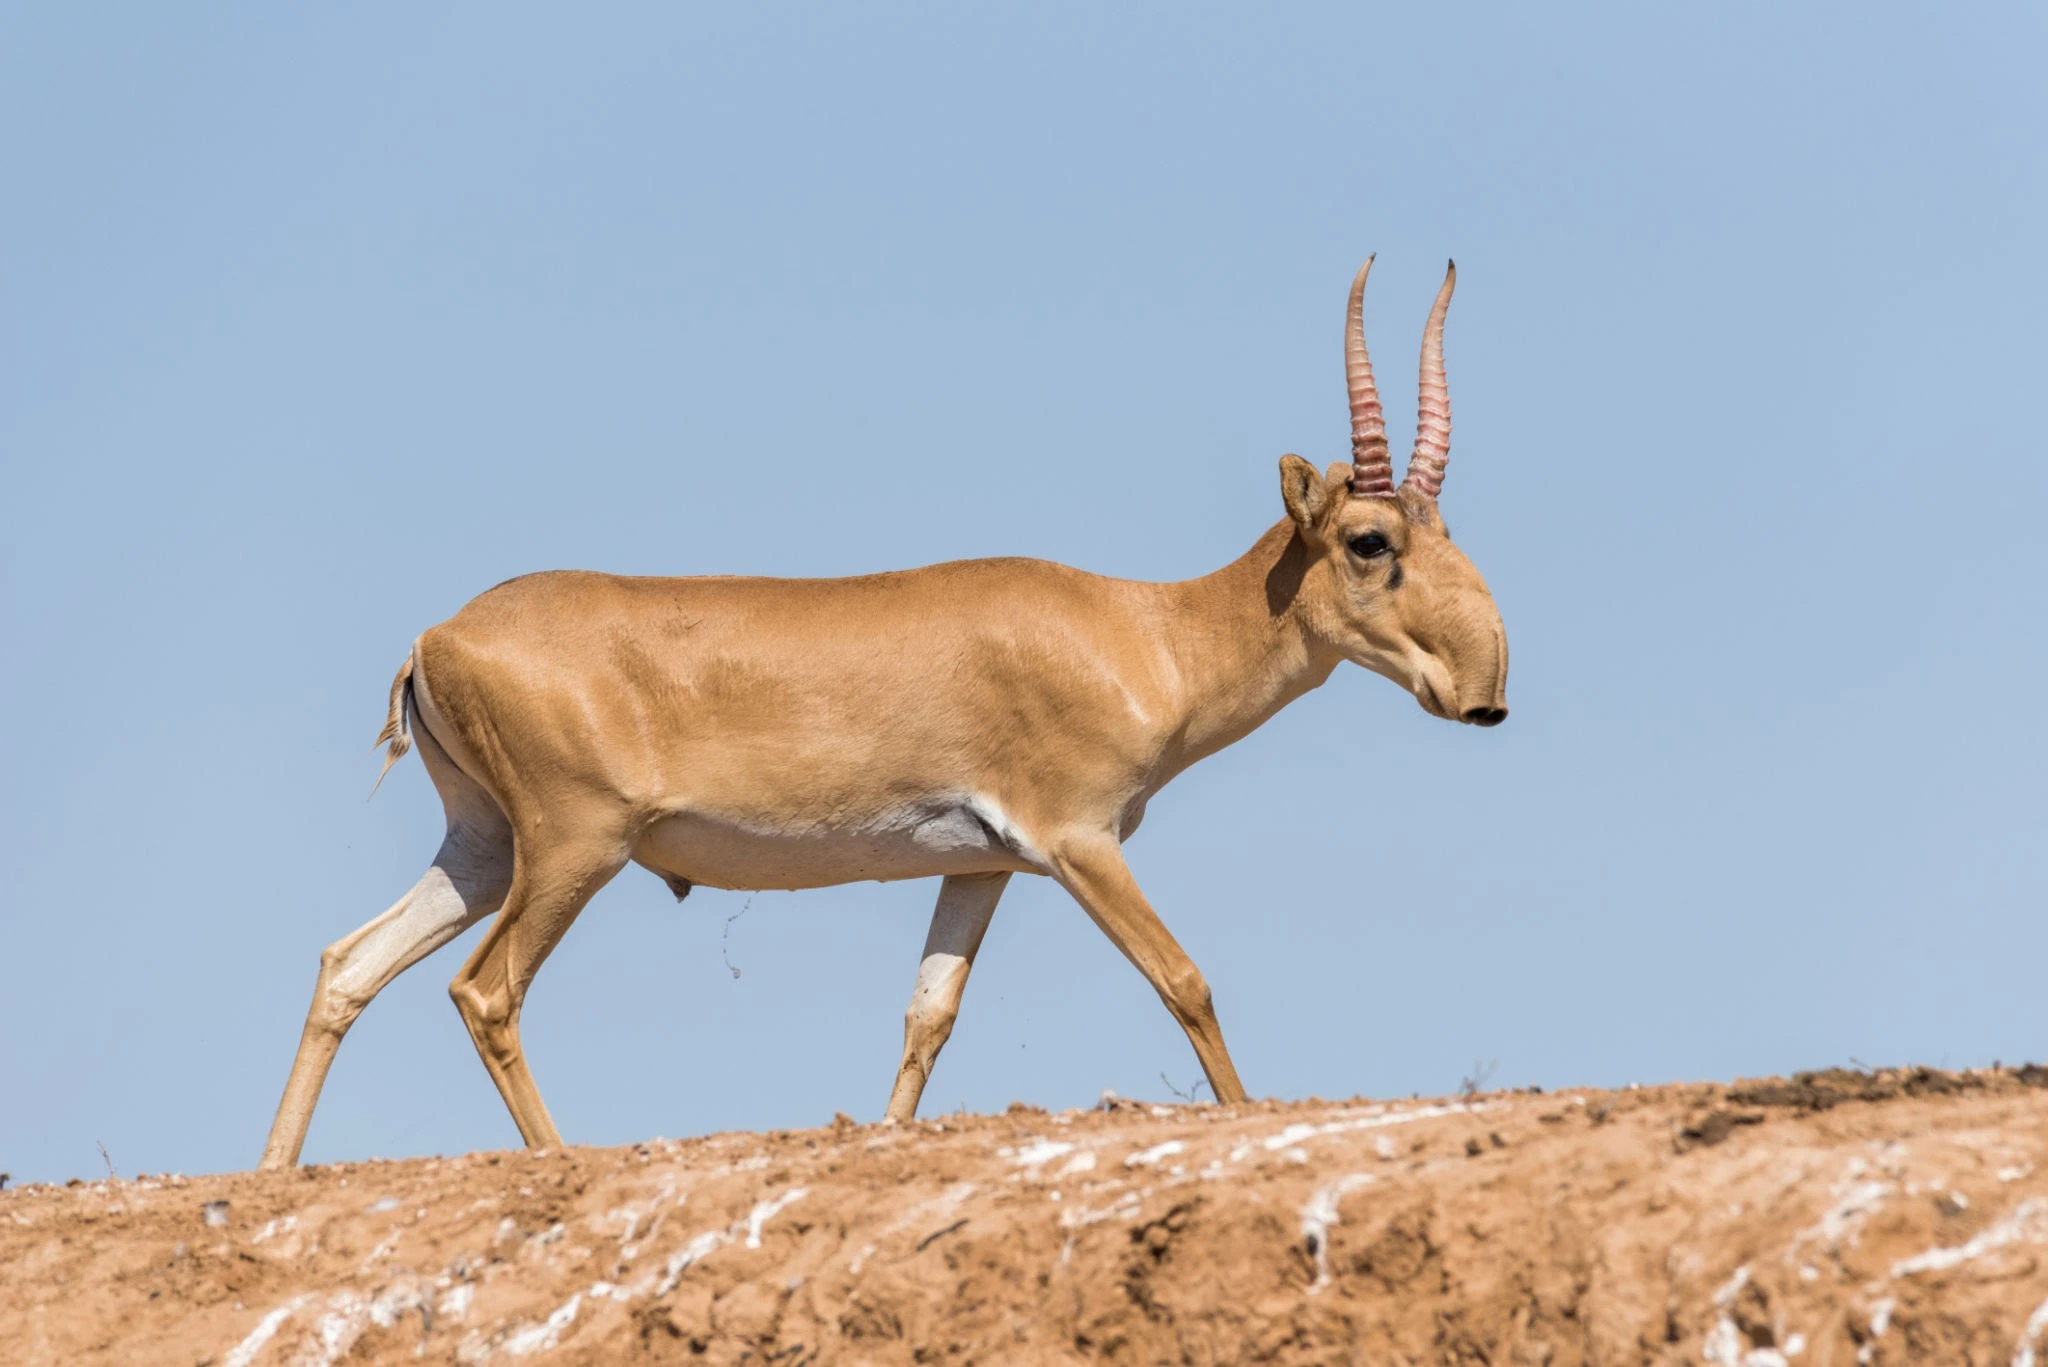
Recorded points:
482,1010
926,1028
1187,993
934,1017
334,1007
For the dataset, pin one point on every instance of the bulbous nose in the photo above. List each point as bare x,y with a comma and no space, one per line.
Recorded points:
1486,716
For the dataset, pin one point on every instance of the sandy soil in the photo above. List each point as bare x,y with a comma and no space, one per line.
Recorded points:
1827,1220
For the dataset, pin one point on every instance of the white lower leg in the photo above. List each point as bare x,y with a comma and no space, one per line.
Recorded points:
966,905
354,969
429,916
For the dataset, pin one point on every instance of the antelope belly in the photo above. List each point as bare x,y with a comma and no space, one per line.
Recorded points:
757,854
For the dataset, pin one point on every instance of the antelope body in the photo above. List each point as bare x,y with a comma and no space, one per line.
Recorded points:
970,720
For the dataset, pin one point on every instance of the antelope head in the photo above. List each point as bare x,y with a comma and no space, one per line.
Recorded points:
1380,582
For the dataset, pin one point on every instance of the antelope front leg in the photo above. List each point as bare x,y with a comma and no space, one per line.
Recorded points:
1095,872
966,902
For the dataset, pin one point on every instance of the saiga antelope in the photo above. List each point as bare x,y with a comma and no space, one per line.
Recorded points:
969,720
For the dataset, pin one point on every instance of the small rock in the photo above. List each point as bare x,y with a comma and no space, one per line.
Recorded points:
215,1213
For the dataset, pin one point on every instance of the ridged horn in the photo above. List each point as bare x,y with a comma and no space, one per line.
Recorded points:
1372,467
1433,401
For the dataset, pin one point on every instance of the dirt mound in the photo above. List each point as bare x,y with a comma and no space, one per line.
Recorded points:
1835,1218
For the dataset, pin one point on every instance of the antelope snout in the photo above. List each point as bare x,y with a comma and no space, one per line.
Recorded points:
1486,716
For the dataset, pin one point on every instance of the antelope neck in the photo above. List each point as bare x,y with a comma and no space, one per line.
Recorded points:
1239,646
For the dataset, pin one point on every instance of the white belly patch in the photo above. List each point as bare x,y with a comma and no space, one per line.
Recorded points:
967,834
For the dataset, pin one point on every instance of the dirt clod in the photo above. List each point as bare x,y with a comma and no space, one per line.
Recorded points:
1715,1127
1831,1087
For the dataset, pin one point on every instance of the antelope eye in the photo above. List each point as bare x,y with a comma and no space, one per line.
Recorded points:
1370,545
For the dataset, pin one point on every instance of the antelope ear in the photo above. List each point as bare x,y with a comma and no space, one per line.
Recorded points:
1303,491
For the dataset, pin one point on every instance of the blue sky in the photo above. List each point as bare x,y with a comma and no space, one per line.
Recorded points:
316,322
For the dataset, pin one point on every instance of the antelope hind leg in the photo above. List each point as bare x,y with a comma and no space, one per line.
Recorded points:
467,882
966,904
550,889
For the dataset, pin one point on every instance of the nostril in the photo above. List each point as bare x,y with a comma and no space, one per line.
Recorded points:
1486,716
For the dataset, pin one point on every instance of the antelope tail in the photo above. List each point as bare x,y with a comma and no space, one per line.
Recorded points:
396,736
